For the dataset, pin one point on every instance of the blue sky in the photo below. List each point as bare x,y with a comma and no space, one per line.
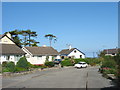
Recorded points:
88,26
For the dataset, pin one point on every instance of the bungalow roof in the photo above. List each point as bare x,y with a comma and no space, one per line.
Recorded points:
42,50
10,49
111,51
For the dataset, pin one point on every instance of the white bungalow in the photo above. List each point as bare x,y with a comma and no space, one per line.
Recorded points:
9,51
38,55
71,53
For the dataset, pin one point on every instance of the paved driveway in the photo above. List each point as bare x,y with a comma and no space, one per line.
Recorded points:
59,78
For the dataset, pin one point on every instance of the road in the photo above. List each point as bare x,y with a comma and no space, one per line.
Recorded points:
59,78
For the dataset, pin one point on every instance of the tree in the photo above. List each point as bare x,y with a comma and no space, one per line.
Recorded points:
27,38
15,37
24,33
31,34
51,37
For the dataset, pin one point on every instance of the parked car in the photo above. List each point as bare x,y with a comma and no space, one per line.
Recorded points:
57,61
81,65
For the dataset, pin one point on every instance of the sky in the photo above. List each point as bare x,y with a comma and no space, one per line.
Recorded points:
88,26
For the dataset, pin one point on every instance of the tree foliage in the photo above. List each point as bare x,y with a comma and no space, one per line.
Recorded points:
51,37
24,37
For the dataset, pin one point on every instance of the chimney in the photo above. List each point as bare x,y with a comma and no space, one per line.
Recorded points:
70,47
9,35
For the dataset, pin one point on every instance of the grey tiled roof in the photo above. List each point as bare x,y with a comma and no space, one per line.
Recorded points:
10,49
66,51
42,50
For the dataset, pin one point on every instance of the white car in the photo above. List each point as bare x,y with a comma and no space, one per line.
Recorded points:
81,65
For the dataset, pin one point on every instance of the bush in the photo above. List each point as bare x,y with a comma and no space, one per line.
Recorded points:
19,69
5,70
66,63
39,66
49,64
109,64
107,70
10,66
4,64
23,63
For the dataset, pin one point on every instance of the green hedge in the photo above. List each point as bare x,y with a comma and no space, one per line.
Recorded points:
108,62
49,64
8,67
66,63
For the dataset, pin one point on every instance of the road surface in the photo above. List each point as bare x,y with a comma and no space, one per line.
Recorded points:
59,78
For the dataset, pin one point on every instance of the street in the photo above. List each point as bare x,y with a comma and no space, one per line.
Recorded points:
59,78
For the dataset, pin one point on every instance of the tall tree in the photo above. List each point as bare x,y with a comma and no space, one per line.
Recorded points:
27,37
51,37
24,33
24,37
15,37
31,34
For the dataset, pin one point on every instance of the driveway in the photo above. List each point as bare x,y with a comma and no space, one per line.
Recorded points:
59,78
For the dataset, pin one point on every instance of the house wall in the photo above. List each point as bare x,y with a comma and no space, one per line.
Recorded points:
76,54
6,40
36,59
13,58
110,55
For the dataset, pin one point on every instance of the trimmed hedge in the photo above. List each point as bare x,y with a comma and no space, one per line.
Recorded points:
66,63
8,67
49,64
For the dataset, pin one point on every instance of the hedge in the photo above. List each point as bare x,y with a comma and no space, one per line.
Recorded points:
66,63
49,64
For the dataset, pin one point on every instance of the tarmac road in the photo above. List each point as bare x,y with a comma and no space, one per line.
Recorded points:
59,78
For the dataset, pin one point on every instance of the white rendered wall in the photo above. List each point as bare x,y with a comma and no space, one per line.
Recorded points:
6,40
77,54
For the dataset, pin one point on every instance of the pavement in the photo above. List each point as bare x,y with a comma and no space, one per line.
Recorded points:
59,78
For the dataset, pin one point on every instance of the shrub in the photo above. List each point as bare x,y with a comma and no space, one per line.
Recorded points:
19,69
5,70
49,64
66,63
10,66
23,63
109,64
107,70
4,64
39,66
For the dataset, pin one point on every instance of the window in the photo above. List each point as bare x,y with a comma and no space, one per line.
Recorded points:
7,57
75,51
39,57
62,57
113,53
17,57
80,56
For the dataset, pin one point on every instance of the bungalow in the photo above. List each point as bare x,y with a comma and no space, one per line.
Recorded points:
72,52
111,52
38,55
9,51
